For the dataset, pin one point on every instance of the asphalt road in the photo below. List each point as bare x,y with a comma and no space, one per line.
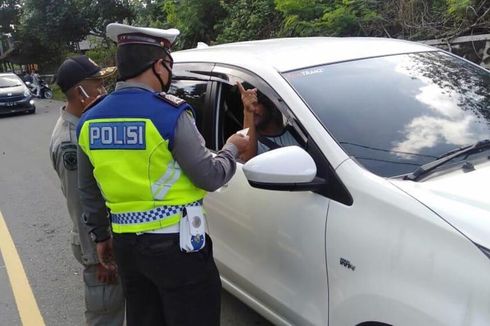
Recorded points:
35,214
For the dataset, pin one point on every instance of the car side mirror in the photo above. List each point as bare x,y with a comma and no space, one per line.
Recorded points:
288,168
27,83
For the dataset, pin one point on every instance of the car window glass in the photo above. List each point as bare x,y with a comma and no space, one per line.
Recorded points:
194,93
395,113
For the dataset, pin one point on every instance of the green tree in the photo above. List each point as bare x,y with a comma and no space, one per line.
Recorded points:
467,17
100,13
427,19
47,29
54,21
330,18
248,20
9,18
305,10
196,20
9,15
150,13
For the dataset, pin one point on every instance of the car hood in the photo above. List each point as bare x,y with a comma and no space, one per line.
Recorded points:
15,90
462,199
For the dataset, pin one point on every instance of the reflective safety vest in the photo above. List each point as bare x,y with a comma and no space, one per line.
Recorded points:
128,137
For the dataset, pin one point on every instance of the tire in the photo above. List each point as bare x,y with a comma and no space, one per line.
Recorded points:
48,94
32,111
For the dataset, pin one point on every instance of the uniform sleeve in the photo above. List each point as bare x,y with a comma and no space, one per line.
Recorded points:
95,214
197,162
64,158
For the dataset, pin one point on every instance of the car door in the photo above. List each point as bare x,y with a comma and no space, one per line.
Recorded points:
269,245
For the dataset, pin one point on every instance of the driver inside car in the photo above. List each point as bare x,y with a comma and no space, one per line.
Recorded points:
264,122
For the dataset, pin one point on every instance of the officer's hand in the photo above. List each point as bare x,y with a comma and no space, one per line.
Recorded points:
106,255
240,141
249,97
105,276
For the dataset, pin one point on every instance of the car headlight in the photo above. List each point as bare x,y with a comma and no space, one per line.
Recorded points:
27,93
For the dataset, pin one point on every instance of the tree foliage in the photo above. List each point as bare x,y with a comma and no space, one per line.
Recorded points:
196,20
39,37
9,15
42,19
99,13
331,18
46,29
248,20
150,13
409,19
214,21
426,19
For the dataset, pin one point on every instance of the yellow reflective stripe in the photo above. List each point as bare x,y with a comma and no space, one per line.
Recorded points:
161,187
148,226
166,188
157,185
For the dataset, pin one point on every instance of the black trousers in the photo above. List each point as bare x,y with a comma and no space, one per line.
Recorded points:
164,286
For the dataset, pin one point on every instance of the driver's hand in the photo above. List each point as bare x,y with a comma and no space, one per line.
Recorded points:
249,97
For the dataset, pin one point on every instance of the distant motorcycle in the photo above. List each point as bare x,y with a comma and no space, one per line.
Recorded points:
45,91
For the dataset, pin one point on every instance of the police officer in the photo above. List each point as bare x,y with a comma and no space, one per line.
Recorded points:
82,81
141,154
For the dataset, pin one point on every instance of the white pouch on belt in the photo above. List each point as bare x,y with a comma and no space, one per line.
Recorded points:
192,230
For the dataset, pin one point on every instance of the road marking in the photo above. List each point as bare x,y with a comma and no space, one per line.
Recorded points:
24,298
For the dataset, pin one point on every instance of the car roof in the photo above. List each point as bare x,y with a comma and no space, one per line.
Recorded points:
294,53
7,74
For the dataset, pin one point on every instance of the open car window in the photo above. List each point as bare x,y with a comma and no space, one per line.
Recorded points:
230,110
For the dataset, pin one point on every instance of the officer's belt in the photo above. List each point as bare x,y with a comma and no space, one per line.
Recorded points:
155,214
167,230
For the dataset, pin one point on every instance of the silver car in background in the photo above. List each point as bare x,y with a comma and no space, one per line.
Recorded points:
14,95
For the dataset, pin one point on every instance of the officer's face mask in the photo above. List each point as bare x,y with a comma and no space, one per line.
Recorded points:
167,63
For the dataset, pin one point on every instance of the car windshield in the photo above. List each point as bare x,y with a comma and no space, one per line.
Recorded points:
9,81
396,113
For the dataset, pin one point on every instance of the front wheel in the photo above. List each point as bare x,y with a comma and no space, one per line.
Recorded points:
48,94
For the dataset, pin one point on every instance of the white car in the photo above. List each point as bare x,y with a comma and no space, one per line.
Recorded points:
381,215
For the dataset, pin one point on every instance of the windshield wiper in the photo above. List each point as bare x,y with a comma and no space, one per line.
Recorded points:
446,157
